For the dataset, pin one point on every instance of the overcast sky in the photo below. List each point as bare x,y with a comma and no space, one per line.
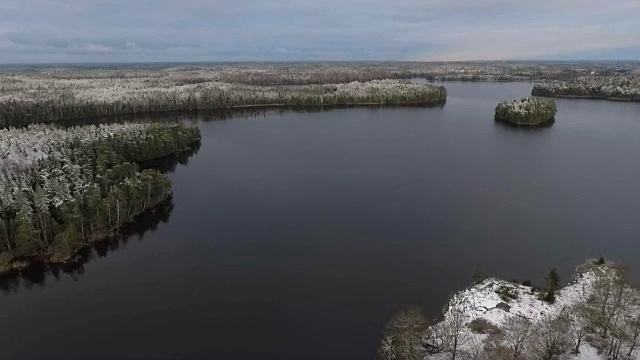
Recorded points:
37,31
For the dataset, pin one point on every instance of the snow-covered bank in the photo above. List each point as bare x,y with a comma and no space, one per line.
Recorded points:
497,319
484,300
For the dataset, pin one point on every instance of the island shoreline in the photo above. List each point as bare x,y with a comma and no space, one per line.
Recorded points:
22,263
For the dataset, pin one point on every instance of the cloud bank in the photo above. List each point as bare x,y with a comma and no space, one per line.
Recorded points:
37,31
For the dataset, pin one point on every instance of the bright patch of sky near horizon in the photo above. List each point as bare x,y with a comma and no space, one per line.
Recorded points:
289,30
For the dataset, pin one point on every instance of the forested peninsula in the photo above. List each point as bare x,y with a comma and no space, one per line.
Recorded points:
30,100
62,188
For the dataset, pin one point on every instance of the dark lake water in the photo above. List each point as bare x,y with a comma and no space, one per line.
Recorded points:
295,235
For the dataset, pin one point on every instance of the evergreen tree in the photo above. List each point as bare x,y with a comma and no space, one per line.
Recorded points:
26,236
41,206
553,283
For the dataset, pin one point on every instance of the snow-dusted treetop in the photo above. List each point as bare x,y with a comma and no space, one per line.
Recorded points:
526,111
21,147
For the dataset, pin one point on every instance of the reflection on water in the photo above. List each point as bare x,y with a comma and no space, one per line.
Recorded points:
168,164
37,274
523,128
194,116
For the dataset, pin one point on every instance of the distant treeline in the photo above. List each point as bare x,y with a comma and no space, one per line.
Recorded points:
625,88
74,99
324,72
61,188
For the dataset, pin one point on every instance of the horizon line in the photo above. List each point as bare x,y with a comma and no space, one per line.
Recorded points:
325,61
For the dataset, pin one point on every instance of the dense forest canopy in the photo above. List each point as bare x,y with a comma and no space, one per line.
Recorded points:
60,188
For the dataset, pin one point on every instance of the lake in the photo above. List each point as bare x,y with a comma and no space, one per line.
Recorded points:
296,234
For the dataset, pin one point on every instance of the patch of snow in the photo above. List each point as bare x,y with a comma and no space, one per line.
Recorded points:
483,300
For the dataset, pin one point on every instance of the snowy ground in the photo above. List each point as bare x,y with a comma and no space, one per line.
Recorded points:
483,300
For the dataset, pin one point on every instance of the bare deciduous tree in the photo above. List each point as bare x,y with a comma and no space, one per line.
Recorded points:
495,348
610,297
475,349
517,333
552,336
617,336
634,331
633,324
451,331
403,336
579,325
388,348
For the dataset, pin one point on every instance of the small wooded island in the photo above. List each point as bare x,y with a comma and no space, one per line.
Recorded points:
531,111
61,189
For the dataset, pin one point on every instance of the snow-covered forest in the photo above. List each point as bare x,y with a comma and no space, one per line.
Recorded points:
529,111
330,72
618,88
31,94
28,99
597,316
62,187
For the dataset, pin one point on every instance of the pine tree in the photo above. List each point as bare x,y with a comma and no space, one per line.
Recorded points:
41,206
553,283
68,242
26,236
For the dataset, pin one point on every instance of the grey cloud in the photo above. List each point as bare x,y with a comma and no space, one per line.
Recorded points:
163,30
